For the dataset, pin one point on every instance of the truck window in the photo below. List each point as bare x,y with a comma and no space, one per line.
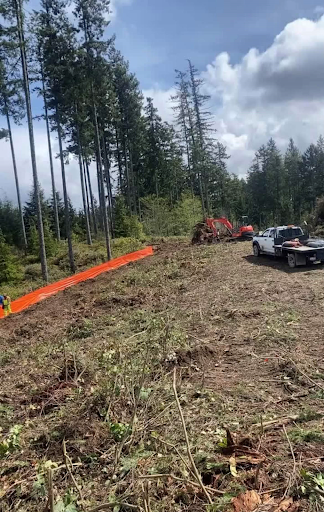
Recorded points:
272,233
291,233
266,232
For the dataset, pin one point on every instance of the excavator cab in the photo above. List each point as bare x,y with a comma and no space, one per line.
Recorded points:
245,230
244,220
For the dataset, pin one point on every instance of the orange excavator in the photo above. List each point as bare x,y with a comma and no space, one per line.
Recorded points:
211,231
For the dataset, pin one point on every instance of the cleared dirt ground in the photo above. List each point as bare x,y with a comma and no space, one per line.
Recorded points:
91,371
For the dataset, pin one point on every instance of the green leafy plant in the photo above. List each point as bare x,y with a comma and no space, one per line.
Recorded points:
119,430
11,442
67,503
39,485
313,486
221,504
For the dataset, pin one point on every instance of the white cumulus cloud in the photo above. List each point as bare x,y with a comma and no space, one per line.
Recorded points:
276,93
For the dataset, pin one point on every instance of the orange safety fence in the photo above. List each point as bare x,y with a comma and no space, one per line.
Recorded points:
43,293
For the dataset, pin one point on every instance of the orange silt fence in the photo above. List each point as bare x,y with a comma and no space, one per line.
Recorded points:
28,300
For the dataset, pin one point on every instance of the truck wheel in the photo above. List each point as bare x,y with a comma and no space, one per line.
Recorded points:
256,250
291,260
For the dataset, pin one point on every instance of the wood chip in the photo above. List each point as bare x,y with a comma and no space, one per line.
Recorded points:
246,502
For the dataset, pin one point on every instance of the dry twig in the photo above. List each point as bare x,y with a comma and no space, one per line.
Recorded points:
146,498
108,506
194,467
183,480
316,384
67,462
294,459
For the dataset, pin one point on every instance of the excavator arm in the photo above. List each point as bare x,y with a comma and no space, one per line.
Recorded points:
211,223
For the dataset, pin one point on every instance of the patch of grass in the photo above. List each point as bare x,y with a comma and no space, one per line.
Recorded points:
6,416
81,330
299,435
308,414
58,266
5,358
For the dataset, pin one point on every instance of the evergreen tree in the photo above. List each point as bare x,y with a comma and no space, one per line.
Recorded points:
10,225
9,268
11,101
308,178
57,43
293,163
91,19
15,11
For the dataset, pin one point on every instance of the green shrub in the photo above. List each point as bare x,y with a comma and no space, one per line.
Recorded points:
10,270
126,225
161,219
157,218
33,271
122,246
33,240
186,214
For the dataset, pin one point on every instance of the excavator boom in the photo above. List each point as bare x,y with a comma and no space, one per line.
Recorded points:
208,232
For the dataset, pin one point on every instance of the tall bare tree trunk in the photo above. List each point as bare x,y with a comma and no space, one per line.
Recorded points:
65,194
14,164
119,162
18,12
86,191
101,183
50,154
95,226
131,167
108,183
98,148
128,185
89,240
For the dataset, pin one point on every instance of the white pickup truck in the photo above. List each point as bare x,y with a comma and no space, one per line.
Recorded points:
290,242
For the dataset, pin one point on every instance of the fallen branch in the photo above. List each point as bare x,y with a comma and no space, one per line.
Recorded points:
179,454
278,421
182,480
68,461
108,506
294,459
294,397
146,498
306,376
194,467
111,398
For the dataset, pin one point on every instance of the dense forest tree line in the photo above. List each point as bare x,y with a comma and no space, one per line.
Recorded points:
147,170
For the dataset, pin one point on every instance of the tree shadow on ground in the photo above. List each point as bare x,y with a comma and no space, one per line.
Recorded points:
280,264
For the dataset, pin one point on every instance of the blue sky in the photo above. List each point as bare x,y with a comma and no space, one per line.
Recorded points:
262,62
158,36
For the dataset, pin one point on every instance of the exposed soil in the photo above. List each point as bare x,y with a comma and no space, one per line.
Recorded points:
92,369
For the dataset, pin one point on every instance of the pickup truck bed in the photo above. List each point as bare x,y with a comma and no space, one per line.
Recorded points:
291,243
